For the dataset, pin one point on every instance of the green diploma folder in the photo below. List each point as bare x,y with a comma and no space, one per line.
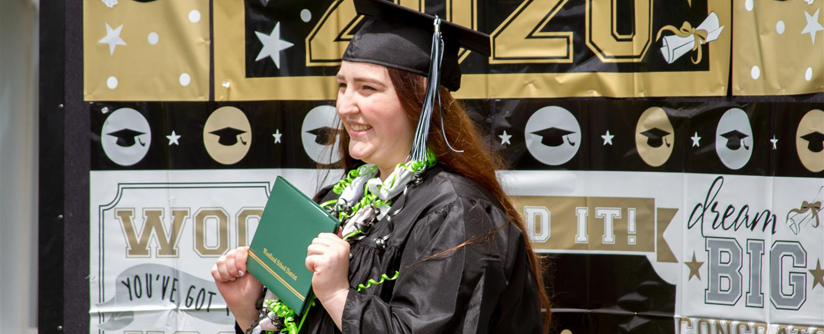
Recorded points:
277,256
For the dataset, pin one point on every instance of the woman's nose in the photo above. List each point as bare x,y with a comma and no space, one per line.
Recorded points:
346,105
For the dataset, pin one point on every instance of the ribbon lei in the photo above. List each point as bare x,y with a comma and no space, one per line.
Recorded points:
687,30
815,207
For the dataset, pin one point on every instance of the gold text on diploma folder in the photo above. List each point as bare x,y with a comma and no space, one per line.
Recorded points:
280,279
280,264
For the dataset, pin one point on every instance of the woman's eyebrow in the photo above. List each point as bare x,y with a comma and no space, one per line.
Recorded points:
361,79
369,80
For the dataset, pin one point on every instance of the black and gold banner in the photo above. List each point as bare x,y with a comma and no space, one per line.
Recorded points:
655,213
758,139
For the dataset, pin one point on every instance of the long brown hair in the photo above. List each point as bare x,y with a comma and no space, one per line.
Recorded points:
475,162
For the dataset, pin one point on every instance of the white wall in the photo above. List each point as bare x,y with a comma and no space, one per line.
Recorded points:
18,165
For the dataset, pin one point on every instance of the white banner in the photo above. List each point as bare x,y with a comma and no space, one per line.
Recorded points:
155,235
748,248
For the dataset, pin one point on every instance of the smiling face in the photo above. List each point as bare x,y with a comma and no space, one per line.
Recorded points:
380,132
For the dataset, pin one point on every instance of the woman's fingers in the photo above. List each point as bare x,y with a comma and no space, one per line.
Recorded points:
317,249
216,274
231,268
241,257
330,237
311,263
221,269
324,240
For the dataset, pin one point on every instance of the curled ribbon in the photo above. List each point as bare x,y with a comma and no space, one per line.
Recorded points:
815,207
371,282
287,315
687,30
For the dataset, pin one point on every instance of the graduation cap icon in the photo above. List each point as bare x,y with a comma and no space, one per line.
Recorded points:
322,134
735,139
815,141
656,137
229,136
554,136
126,137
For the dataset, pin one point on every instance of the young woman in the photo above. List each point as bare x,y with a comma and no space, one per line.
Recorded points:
430,245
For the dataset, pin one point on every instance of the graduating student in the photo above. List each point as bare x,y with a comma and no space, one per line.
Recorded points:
430,242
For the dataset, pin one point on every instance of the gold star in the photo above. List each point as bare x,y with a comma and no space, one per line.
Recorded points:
694,267
818,274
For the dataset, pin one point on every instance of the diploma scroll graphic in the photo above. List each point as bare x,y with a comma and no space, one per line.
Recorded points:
808,212
684,40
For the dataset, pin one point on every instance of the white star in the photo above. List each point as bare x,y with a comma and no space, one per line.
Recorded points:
505,138
112,38
277,136
272,45
607,138
173,138
695,140
812,25
774,141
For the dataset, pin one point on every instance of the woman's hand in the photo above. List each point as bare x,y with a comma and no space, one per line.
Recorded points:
239,289
328,258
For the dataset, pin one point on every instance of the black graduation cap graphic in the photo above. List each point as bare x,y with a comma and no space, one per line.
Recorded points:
126,137
815,141
735,139
322,134
656,137
229,136
554,136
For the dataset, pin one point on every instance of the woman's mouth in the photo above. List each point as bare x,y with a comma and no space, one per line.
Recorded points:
358,129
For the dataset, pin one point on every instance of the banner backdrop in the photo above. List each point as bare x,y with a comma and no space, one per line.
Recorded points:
654,215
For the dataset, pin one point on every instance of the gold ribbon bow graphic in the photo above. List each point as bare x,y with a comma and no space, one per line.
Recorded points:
687,30
815,207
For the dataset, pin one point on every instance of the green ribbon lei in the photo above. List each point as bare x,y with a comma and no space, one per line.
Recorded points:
369,199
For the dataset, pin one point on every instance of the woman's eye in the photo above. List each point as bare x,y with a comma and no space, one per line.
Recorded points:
368,88
341,86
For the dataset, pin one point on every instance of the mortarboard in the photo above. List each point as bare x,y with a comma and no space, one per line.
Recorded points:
401,38
322,134
228,136
735,139
126,137
655,137
815,141
554,136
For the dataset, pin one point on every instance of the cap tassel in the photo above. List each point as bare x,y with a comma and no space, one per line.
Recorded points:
433,82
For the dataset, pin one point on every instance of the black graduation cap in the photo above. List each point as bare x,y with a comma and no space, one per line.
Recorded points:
401,38
735,139
322,134
228,136
815,141
655,137
554,136
127,137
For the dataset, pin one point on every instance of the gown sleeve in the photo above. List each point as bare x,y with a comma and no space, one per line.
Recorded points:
482,286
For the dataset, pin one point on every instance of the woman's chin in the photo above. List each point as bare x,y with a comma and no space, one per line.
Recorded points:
359,153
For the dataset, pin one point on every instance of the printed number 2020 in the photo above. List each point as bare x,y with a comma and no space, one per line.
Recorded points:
518,39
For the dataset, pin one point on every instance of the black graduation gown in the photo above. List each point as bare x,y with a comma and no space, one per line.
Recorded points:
483,287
